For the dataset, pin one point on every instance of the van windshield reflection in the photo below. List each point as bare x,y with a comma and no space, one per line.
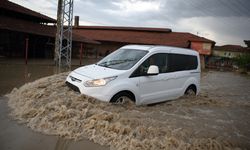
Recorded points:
122,59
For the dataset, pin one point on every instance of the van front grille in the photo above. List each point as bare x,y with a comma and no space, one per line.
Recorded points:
73,87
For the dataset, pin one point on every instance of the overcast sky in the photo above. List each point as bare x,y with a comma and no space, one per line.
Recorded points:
224,21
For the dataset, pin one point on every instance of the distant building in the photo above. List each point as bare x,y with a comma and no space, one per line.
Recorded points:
229,51
222,56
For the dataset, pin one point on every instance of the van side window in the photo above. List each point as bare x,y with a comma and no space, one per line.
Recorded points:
180,62
160,60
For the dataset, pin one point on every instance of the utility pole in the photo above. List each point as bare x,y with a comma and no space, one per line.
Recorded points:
63,40
58,27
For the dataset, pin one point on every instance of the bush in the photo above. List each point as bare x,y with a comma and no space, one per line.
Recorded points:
243,61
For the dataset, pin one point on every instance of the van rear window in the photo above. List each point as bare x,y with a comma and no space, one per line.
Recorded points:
180,62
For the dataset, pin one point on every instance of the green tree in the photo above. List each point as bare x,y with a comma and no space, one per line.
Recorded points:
243,61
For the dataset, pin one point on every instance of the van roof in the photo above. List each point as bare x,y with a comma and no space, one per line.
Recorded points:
140,47
151,48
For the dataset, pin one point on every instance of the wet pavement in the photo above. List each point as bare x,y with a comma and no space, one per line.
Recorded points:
15,136
218,118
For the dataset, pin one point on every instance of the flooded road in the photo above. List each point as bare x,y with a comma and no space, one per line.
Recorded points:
15,136
216,119
15,73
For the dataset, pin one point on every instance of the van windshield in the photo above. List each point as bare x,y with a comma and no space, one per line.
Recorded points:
122,59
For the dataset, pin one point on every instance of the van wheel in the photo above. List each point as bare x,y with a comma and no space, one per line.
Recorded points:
190,91
122,98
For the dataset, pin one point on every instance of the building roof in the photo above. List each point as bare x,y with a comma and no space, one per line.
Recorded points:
19,25
137,35
18,10
143,29
232,48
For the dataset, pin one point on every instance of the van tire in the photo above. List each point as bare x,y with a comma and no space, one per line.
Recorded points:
190,91
122,98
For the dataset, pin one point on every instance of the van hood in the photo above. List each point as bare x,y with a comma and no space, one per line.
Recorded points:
97,72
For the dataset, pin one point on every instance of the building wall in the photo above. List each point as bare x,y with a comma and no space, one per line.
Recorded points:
202,48
95,50
222,59
226,54
107,47
13,44
202,61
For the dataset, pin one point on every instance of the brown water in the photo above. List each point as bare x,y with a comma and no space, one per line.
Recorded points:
216,119
14,136
14,73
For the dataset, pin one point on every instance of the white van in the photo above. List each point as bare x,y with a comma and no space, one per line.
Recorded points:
144,74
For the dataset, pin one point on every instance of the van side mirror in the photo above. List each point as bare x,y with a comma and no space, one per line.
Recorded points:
153,70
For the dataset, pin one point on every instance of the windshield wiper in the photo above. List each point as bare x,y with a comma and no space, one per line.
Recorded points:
114,62
106,63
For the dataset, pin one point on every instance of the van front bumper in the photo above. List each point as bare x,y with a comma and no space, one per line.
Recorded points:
75,82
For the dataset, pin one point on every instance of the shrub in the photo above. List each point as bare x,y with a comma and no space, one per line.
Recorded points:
243,61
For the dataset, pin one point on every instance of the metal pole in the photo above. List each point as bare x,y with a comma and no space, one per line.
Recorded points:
64,35
26,50
57,38
81,55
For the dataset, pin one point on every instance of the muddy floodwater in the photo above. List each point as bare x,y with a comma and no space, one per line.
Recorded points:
16,136
219,118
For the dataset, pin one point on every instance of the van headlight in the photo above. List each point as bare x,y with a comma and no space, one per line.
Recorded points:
98,82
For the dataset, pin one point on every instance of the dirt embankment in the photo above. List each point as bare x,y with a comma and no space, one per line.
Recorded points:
49,106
